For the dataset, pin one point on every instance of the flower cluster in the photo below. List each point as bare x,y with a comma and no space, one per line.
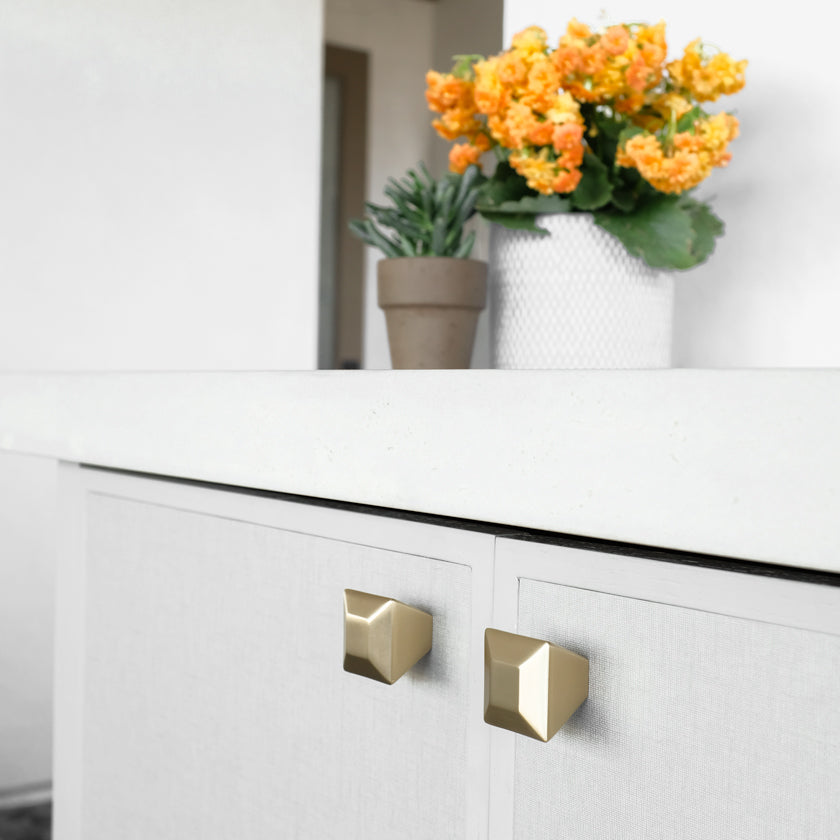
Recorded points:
513,101
688,160
541,109
617,66
706,78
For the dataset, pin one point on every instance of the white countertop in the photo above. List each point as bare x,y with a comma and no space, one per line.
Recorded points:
735,463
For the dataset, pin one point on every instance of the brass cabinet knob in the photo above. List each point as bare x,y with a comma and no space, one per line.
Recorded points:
530,686
383,638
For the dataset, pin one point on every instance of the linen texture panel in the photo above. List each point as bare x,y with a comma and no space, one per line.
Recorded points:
216,704
698,726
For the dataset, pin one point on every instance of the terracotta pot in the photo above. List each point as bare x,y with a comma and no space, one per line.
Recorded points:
431,309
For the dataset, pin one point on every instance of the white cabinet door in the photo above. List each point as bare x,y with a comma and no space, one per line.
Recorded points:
203,644
714,705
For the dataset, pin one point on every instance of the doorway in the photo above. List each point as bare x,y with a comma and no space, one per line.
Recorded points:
343,186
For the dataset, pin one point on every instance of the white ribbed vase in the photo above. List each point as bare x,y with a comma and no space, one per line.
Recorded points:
576,299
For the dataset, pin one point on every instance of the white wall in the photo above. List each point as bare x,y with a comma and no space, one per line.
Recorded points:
159,166
398,36
769,296
27,488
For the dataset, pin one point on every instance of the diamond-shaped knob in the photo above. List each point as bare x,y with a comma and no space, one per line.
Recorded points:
383,638
530,686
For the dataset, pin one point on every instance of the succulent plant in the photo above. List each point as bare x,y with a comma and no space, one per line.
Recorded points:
427,216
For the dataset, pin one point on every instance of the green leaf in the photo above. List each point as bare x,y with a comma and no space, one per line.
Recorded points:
465,249
707,227
452,240
687,120
659,231
624,198
594,189
531,204
463,67
467,208
369,233
626,133
515,221
387,216
505,185
406,246
469,184
439,236
398,199
395,187
426,174
446,202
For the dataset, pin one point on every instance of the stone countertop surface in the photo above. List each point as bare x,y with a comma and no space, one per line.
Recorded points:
738,463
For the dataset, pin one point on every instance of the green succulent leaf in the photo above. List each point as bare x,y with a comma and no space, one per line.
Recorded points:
465,248
430,181
439,236
446,201
470,181
368,233
426,217
466,208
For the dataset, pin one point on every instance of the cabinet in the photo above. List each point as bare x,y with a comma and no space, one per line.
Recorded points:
713,701
201,693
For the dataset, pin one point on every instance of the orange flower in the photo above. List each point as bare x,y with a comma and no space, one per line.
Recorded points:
531,41
462,156
545,174
615,40
528,100
453,99
541,133
566,182
539,172
576,29
704,79
445,91
543,83
690,160
592,60
512,129
491,95
615,65
457,123
512,70
567,137
567,60
652,41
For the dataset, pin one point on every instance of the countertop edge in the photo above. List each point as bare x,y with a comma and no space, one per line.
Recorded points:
742,464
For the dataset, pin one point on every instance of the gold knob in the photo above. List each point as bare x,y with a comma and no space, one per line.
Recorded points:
383,638
530,686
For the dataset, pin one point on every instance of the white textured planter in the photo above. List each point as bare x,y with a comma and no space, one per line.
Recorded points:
576,299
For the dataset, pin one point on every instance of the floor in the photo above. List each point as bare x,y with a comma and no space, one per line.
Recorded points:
30,823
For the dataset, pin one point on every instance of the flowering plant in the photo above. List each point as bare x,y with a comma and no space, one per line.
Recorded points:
600,124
